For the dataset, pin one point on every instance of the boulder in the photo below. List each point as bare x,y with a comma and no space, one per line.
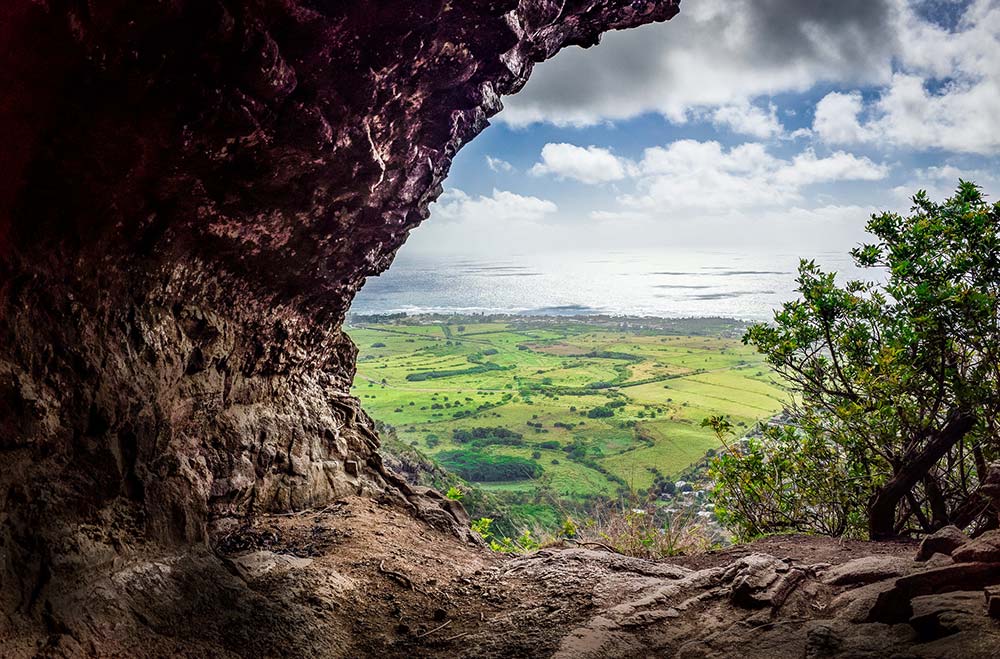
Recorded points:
984,549
993,601
762,580
937,616
257,564
943,541
867,569
894,603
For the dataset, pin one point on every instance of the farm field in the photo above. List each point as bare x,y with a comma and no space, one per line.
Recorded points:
572,407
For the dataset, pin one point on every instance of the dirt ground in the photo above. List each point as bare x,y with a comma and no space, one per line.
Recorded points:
420,593
365,578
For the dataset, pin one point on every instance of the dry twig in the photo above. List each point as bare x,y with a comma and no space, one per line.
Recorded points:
436,629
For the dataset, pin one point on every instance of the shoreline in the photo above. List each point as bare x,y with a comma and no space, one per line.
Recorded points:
402,316
693,325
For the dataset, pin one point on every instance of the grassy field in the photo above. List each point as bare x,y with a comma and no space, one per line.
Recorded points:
543,380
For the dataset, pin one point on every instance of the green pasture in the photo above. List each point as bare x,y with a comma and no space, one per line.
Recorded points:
429,379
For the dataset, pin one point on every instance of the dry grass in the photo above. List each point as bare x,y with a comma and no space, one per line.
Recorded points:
641,529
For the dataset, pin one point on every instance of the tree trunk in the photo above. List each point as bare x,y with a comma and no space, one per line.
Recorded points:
913,468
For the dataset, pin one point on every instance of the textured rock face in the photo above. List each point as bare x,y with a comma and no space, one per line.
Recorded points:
193,191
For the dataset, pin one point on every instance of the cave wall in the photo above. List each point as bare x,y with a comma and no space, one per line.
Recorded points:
192,193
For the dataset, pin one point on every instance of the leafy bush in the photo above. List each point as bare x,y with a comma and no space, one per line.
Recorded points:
472,370
786,480
600,412
897,384
521,545
477,466
483,436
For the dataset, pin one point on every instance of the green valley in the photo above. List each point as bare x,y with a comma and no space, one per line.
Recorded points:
576,408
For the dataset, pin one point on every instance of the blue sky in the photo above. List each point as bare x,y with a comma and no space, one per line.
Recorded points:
747,124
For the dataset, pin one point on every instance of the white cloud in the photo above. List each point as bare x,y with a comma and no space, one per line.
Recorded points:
836,118
747,119
945,95
499,165
715,53
585,164
807,169
801,229
707,177
503,206
935,86
940,182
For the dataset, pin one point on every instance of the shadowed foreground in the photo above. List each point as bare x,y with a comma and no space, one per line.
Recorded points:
363,578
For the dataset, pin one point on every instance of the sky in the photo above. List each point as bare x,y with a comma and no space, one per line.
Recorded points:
740,124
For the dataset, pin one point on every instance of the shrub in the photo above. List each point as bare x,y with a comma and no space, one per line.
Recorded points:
484,436
897,377
522,544
477,466
472,370
640,529
785,480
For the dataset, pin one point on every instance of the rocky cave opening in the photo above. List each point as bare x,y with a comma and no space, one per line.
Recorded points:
193,192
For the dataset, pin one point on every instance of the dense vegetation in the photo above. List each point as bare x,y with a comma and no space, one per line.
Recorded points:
480,437
472,370
484,467
898,386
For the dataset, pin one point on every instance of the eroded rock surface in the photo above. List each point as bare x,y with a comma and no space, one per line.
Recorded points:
360,578
192,193
943,541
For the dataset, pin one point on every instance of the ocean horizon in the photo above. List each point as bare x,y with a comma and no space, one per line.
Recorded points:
669,284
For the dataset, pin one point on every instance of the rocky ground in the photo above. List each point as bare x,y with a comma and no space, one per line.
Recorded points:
362,577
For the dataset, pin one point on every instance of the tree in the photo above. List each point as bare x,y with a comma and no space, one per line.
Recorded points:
902,376
600,412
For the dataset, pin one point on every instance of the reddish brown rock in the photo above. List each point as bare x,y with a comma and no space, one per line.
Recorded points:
868,569
942,541
192,193
993,601
985,548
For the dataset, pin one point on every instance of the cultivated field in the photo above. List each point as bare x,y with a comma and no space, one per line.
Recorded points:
593,406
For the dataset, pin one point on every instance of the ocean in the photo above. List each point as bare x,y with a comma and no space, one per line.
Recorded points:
669,284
